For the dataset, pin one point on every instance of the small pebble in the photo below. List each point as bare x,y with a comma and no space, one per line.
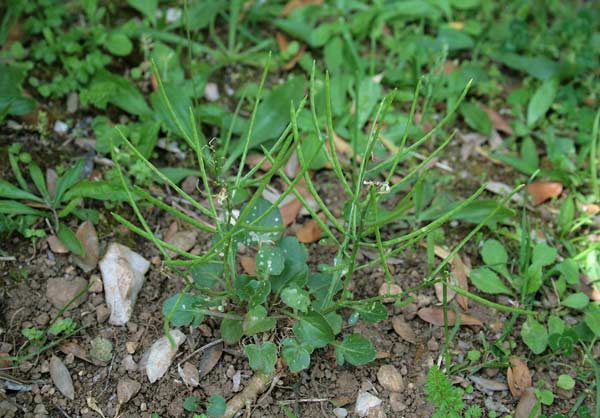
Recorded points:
60,127
211,92
340,412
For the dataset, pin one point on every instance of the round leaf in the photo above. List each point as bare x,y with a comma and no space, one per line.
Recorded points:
356,350
296,355
118,44
534,335
231,330
270,260
313,329
216,406
262,357
296,298
576,301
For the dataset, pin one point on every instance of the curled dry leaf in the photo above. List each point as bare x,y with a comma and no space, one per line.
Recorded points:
498,122
56,245
189,374
61,377
391,289
544,190
87,235
404,330
311,231
248,264
210,358
93,405
4,364
460,274
526,404
435,316
518,377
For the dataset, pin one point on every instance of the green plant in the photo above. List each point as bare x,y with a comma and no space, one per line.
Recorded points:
447,398
283,288
54,198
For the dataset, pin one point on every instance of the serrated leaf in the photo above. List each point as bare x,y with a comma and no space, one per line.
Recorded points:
488,281
313,329
356,350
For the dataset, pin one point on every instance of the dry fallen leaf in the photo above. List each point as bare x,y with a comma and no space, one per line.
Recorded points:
61,377
294,4
290,211
460,274
56,245
86,233
391,289
404,330
252,160
518,377
93,405
311,231
4,364
210,358
248,264
526,404
283,45
189,374
498,122
544,190
51,179
591,209
435,316
70,347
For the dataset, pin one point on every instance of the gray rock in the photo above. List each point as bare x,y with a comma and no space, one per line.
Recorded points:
60,291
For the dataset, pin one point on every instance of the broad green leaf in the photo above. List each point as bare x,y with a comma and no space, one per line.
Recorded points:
10,191
576,301
272,115
12,99
534,278
256,321
476,117
39,180
180,99
592,320
355,349
488,281
318,285
371,311
118,44
529,154
216,406
494,256
231,330
111,88
569,269
176,174
540,67
541,101
146,7
272,220
67,180
252,290
296,298
555,325
270,260
464,4
335,321
544,255
296,355
313,329
206,274
565,382
11,207
100,190
262,357
534,335
68,237
369,95
566,214
185,312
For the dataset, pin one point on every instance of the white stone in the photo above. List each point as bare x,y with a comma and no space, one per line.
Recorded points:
60,127
340,412
211,92
365,402
123,273
157,360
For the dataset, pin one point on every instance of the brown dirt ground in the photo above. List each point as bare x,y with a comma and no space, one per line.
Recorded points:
24,304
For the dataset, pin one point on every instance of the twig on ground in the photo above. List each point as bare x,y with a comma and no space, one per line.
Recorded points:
256,385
